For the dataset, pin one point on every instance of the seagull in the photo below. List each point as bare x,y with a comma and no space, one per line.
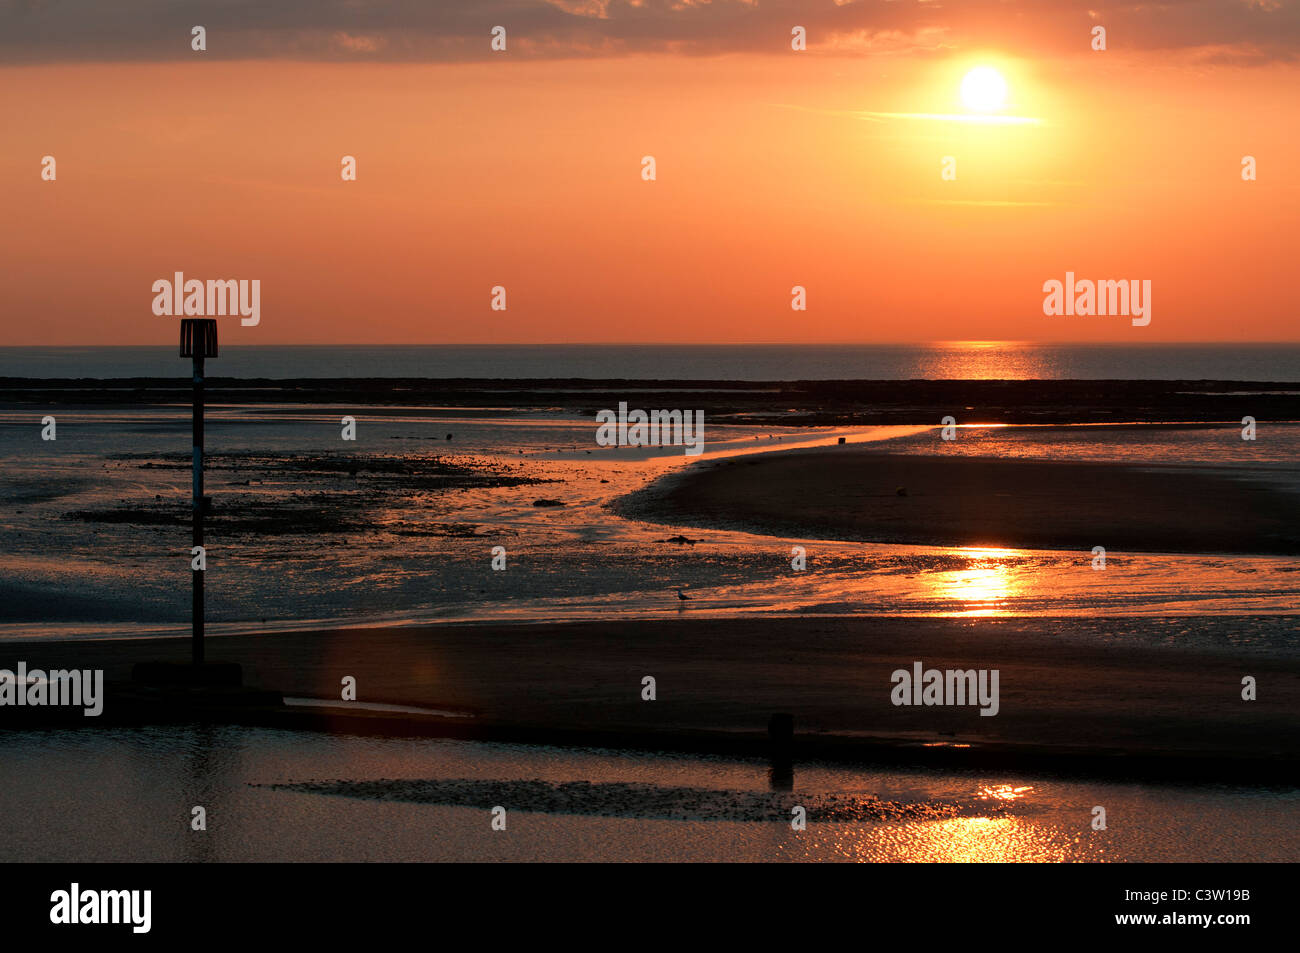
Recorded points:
683,596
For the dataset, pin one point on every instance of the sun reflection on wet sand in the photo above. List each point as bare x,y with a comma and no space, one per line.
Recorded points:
1005,792
985,587
979,840
960,840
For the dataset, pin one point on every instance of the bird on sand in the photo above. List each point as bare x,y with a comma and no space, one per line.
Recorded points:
683,596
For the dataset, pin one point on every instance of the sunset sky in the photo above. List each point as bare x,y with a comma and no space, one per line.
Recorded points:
775,168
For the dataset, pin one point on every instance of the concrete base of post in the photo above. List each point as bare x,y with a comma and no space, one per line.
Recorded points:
167,690
209,674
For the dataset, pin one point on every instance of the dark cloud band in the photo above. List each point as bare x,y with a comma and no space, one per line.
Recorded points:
35,31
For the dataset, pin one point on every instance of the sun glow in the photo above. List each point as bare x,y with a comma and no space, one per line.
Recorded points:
983,89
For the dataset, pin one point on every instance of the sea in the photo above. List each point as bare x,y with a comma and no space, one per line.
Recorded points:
971,360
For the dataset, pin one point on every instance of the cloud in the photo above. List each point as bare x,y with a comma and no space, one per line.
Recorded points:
359,44
35,31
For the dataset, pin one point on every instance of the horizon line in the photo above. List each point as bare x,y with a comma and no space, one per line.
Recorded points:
970,342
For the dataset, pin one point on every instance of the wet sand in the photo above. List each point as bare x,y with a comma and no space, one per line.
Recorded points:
294,796
768,403
1104,709
846,493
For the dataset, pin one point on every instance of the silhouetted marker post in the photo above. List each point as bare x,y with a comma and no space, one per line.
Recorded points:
174,685
198,341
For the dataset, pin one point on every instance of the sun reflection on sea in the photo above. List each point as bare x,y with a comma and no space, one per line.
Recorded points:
983,360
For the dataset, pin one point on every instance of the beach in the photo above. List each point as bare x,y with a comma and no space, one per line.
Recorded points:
307,531
275,795
744,401
1119,710
859,493
813,574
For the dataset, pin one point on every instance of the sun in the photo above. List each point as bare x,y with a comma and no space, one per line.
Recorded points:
983,88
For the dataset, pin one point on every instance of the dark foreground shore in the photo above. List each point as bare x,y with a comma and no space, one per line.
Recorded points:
1094,710
847,493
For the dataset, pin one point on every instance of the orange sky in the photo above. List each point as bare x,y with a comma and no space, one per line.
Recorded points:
774,169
